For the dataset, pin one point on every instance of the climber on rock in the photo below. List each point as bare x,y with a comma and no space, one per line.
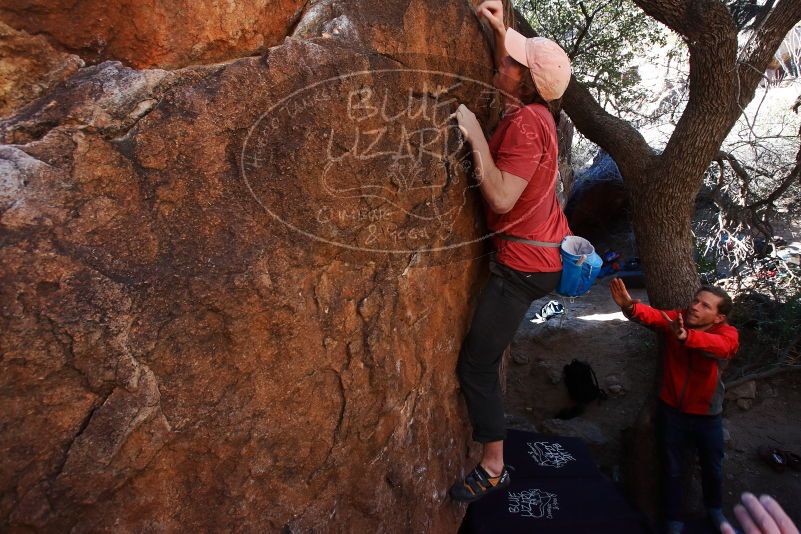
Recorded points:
517,173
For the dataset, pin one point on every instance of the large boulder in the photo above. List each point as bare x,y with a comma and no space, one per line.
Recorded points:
162,33
233,295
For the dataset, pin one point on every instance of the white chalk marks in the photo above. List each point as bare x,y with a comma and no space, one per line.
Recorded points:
369,160
533,503
547,454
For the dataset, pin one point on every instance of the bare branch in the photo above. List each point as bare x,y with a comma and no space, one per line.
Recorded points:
773,371
588,18
671,13
785,184
760,49
735,165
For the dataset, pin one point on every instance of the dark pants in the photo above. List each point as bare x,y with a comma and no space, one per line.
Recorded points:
680,435
501,307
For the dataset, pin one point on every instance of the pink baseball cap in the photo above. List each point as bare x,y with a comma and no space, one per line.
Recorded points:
548,63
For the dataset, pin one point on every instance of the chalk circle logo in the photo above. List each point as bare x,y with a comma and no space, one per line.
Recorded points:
369,160
533,503
547,454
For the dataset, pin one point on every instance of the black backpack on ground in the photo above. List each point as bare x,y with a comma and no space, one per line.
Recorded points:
582,385
581,382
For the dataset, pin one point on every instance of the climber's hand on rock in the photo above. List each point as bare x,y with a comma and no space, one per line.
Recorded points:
468,123
492,10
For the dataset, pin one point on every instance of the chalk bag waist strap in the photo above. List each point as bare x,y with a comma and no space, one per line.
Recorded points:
529,241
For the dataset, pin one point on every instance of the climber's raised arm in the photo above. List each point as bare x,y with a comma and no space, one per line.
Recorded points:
492,11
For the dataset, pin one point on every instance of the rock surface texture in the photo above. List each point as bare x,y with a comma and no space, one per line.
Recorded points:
232,296
156,33
29,67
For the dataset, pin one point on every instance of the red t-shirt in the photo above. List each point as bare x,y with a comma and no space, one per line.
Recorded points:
525,144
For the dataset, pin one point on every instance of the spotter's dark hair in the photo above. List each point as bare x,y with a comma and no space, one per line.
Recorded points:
725,304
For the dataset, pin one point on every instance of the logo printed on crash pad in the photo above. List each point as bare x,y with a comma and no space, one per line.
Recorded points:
533,503
549,454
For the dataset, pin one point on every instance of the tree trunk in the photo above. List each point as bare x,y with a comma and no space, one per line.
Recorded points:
566,130
661,218
642,471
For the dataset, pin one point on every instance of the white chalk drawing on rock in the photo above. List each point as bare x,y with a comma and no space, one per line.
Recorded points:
392,174
533,503
549,454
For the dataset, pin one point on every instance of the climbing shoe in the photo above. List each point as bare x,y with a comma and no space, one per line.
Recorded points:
479,483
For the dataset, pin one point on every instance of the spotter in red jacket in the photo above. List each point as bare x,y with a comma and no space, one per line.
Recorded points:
692,369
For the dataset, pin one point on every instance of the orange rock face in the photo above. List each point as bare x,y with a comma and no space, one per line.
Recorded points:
160,33
29,67
233,296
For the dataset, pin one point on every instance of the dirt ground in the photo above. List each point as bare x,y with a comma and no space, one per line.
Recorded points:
624,357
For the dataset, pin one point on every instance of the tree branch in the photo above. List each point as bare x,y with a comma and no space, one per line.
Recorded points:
720,86
738,169
794,175
763,44
620,139
773,371
712,42
784,185
588,18
748,214
671,13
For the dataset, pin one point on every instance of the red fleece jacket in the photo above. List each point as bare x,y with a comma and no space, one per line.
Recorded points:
693,368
